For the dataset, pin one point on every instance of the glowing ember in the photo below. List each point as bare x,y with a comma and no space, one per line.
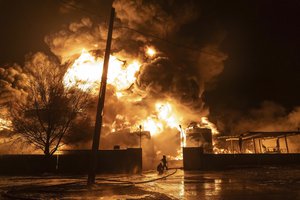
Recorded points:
150,51
249,151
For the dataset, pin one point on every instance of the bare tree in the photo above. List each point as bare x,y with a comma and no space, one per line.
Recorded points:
51,108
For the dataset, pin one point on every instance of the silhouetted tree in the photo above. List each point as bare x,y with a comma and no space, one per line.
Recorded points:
51,108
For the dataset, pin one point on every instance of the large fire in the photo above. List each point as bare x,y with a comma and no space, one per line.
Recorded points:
159,117
86,71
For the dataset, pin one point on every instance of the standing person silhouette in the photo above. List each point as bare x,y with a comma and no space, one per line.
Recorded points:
160,168
164,162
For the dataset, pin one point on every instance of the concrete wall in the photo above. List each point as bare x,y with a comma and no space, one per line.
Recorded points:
75,162
194,159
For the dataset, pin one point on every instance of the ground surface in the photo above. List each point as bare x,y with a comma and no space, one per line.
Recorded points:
252,183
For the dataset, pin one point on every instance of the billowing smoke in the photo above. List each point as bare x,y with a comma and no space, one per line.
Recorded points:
12,88
269,116
174,79
12,84
164,19
78,35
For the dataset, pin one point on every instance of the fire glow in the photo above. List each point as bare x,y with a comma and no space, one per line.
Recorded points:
5,124
150,51
86,73
163,116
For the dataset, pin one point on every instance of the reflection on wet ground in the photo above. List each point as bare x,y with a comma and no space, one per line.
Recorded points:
251,183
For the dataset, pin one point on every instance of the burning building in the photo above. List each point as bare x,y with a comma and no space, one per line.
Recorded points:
200,137
155,95
151,84
138,100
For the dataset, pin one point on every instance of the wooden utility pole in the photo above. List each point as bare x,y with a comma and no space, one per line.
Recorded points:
101,98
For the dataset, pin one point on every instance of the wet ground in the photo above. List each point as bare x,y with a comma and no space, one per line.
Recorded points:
251,183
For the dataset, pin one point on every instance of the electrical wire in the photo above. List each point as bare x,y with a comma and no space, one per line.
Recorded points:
81,9
164,40
88,12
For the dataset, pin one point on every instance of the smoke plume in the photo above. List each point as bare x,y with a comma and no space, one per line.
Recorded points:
269,116
12,84
176,75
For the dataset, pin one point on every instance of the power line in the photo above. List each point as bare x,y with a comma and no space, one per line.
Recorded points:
83,10
164,40
90,13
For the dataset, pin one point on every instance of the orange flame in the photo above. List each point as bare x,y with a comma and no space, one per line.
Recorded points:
150,51
164,117
86,73
205,123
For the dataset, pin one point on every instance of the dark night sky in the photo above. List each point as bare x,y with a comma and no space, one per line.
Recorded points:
262,42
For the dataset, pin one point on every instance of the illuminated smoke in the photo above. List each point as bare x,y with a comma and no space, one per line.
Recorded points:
12,84
77,36
150,84
269,116
144,14
139,97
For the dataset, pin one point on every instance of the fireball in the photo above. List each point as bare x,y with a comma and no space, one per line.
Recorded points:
86,73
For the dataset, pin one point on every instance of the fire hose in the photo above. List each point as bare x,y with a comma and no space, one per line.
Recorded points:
12,193
138,182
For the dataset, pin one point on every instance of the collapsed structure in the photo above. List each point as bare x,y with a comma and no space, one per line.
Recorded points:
260,141
237,153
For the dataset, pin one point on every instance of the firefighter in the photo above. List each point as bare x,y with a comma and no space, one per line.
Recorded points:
160,168
162,165
164,162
